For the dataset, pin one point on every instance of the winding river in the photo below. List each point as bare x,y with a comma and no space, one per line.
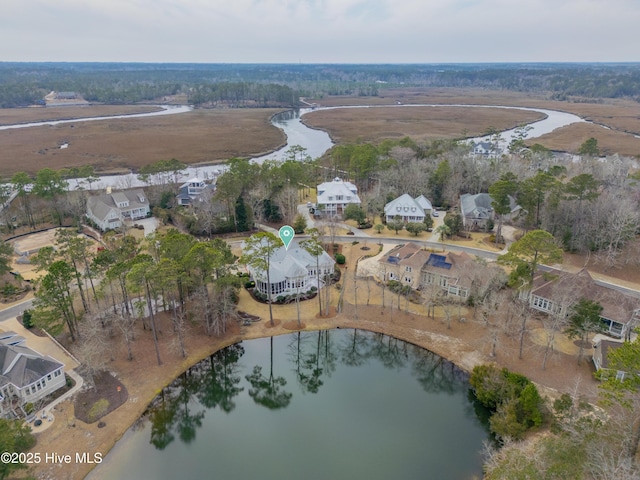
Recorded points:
316,142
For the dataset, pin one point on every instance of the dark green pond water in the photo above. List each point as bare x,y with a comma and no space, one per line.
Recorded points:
337,404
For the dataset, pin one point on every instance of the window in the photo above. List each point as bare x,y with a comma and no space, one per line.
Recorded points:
407,269
49,377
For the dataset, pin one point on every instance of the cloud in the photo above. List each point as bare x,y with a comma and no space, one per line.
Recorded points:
320,30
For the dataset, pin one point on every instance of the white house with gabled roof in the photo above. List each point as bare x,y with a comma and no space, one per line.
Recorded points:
292,271
408,208
26,376
334,196
110,210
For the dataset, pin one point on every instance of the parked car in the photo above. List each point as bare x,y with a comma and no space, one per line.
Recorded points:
435,213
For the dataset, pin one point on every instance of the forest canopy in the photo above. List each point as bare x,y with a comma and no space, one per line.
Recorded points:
23,84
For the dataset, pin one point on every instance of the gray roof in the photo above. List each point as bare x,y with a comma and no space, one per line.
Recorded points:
404,205
22,366
119,197
479,206
476,206
291,263
424,202
101,205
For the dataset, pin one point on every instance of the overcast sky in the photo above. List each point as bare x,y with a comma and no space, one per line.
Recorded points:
320,31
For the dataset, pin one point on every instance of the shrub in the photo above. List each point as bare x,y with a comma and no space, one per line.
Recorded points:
340,259
27,319
516,403
9,289
98,410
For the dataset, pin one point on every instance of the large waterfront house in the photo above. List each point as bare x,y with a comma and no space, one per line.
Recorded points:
409,209
557,292
112,209
485,149
192,191
25,376
292,271
455,274
334,196
477,212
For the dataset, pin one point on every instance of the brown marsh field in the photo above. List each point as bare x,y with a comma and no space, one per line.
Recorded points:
207,136
420,123
10,116
117,145
621,117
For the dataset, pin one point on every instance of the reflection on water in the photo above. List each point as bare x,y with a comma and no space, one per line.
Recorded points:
326,404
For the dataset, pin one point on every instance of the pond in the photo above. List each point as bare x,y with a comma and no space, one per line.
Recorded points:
313,405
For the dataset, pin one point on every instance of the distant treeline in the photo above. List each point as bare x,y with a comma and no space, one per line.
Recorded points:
281,84
239,94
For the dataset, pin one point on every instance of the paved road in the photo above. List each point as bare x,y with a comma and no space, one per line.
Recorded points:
15,310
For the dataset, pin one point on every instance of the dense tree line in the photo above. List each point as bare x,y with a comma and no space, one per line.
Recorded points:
27,83
96,296
240,94
586,205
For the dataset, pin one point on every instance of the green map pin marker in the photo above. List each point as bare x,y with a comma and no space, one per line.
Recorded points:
286,234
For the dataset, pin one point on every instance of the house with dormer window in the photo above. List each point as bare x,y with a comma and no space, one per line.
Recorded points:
292,271
26,376
334,196
455,274
409,209
111,210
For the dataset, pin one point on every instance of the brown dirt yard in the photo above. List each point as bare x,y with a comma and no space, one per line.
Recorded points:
420,123
466,343
116,145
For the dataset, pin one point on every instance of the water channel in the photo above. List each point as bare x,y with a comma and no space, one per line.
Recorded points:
314,405
316,142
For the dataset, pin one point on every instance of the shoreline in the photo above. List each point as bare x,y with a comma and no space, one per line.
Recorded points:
419,330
